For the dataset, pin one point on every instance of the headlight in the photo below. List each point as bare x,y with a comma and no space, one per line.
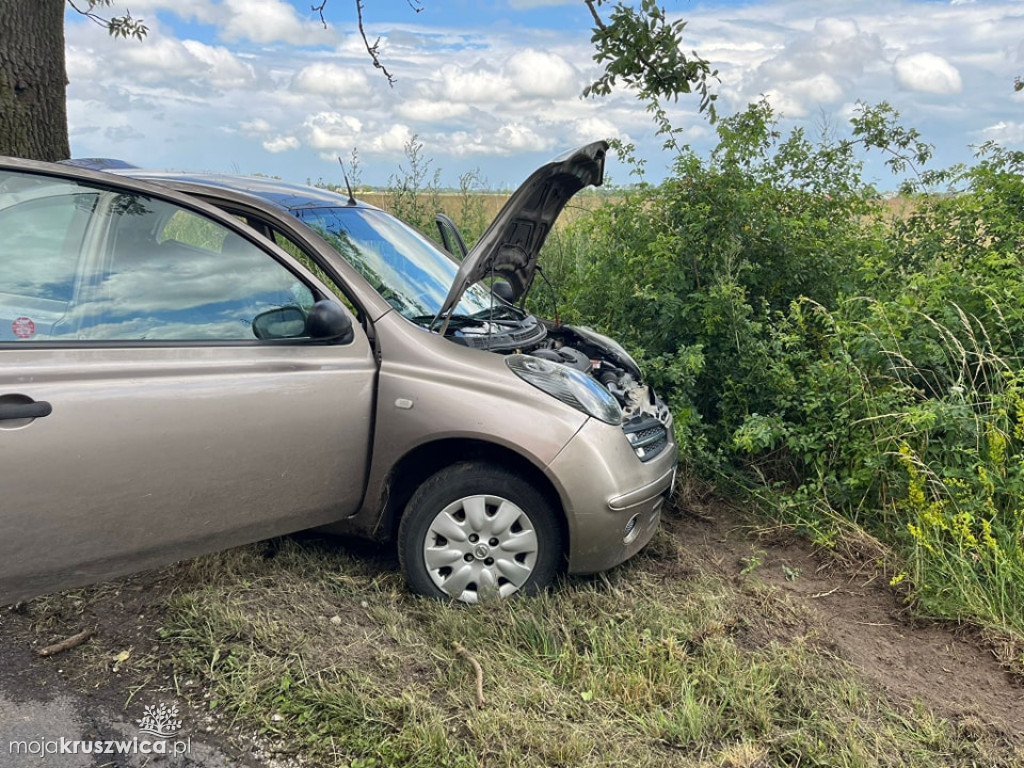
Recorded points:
567,384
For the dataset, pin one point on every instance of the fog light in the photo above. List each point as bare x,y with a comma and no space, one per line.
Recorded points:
631,531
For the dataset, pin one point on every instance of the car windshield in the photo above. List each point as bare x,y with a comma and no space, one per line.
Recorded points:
406,268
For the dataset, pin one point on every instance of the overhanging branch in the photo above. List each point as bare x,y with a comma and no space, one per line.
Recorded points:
371,48
374,49
118,26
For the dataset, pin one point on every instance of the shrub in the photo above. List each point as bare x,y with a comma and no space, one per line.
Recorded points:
841,361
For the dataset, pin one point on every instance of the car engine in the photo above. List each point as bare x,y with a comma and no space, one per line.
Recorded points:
646,420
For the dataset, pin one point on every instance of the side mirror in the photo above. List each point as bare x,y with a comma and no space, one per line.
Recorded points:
451,237
327,321
280,323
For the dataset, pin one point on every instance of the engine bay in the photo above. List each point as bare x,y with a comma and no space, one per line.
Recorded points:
597,356
646,421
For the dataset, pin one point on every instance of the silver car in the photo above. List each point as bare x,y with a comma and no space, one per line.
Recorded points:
193,362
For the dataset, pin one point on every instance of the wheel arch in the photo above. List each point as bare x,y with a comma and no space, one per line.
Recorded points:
425,460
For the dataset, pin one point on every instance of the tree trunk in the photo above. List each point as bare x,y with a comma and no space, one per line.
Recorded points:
33,80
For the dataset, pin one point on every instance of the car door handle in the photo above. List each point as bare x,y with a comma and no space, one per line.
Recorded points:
33,410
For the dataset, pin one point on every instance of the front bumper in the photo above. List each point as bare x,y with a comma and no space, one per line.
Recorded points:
612,500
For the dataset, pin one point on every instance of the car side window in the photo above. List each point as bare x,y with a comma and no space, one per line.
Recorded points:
294,250
42,226
123,266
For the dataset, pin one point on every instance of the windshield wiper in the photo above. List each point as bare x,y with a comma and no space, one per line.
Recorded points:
457,320
462,320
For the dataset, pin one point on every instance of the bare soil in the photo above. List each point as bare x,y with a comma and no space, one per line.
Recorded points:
847,606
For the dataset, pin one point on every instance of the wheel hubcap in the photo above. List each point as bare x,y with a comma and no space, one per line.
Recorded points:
479,547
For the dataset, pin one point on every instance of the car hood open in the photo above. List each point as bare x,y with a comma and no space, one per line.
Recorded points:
508,249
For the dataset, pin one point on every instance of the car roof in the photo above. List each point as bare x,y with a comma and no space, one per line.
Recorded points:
281,194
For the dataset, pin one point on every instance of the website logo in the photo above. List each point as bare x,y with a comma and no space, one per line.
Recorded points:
161,721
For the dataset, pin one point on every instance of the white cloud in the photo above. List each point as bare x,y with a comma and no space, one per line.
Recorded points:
927,73
529,5
162,61
802,69
82,65
464,144
391,141
269,21
547,75
834,46
820,88
333,131
475,84
203,11
430,111
222,68
281,144
331,80
256,127
515,136
509,139
785,104
589,129
504,93
1004,132
120,133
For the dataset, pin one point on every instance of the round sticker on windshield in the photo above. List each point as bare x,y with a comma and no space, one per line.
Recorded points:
24,328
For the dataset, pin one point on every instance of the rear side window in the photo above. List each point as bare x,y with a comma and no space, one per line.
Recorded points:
88,264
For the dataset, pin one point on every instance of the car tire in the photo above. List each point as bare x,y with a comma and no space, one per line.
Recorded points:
476,531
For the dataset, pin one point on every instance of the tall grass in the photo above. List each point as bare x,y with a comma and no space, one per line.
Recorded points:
646,667
929,457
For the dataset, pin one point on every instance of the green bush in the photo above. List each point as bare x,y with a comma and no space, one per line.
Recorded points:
845,360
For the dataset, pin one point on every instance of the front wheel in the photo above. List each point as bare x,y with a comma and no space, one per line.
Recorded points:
475,531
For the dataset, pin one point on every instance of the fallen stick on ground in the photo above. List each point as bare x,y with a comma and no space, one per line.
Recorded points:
70,642
479,674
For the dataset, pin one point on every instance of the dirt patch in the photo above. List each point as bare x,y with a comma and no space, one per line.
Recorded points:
106,683
849,609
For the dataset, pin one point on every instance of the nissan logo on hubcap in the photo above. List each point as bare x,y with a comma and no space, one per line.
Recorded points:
481,551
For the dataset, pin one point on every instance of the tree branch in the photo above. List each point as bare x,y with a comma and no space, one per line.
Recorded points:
69,642
118,26
374,49
643,47
320,9
598,21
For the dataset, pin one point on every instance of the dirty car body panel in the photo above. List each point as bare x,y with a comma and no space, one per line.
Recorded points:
195,404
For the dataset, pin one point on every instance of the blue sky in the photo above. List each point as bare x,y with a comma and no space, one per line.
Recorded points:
261,86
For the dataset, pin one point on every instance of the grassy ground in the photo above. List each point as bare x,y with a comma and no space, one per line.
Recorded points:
668,661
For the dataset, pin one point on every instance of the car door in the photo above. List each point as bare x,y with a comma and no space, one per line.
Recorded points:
141,419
